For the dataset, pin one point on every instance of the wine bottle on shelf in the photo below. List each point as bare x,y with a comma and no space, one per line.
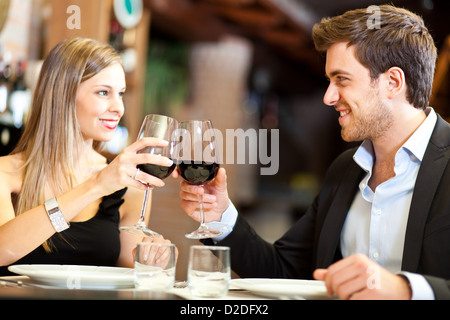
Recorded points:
5,86
20,97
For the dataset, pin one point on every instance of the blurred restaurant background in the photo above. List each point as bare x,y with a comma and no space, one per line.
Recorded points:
247,64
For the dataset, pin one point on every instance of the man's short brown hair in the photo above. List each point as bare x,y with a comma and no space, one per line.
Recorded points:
384,38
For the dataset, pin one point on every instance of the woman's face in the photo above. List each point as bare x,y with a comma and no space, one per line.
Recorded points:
99,104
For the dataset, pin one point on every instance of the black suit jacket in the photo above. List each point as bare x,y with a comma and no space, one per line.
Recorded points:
313,242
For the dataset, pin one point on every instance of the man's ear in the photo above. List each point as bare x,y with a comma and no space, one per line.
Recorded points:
396,82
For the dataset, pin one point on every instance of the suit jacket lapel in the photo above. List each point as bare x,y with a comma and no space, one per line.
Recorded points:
331,231
433,165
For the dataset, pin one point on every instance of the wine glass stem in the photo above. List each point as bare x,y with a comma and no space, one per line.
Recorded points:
144,206
202,213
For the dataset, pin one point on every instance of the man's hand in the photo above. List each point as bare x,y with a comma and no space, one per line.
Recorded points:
357,277
215,197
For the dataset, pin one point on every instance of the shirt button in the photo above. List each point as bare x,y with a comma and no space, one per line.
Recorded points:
375,255
378,211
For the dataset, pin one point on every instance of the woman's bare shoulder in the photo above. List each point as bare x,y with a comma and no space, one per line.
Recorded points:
11,162
11,171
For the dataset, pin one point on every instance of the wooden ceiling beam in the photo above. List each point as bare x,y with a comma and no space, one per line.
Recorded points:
186,21
284,37
296,14
263,21
230,2
252,17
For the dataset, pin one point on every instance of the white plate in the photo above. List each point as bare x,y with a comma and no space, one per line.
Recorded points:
77,277
283,288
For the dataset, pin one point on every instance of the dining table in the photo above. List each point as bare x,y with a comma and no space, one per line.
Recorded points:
24,288
265,298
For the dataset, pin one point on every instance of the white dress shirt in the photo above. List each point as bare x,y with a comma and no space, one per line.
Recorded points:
376,222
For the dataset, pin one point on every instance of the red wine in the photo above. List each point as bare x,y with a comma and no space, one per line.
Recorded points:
198,173
157,171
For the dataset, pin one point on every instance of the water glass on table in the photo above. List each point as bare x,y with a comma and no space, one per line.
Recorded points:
209,271
154,266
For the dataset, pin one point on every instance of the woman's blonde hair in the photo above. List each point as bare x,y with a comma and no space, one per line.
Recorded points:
52,133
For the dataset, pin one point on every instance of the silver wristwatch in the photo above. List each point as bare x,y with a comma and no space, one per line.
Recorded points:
56,217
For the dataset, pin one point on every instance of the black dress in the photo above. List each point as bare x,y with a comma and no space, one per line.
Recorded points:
92,242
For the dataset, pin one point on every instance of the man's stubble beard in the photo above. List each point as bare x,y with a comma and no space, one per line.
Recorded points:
376,119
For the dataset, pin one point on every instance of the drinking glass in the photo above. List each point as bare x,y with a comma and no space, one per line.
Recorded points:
154,266
163,127
209,270
198,164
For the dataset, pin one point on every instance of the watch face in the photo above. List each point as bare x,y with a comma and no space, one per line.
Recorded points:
128,12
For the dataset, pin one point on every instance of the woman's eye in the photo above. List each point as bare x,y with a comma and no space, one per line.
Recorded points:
103,93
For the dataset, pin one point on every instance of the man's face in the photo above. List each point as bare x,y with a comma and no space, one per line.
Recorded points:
364,113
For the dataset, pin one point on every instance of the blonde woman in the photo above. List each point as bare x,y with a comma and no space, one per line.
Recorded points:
61,201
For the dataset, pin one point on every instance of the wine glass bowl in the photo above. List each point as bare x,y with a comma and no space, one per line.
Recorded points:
160,172
162,127
198,164
198,173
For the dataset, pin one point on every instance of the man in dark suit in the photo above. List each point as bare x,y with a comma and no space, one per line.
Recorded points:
380,226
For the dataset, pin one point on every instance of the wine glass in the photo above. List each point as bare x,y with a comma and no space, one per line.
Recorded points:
199,164
163,127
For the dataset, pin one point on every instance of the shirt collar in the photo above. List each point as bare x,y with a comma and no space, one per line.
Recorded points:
364,156
416,144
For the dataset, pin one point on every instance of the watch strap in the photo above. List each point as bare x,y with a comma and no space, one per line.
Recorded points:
56,217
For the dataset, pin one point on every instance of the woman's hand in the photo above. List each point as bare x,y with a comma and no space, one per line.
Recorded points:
159,255
122,171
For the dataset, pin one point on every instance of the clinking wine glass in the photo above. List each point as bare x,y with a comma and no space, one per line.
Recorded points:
199,164
163,127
